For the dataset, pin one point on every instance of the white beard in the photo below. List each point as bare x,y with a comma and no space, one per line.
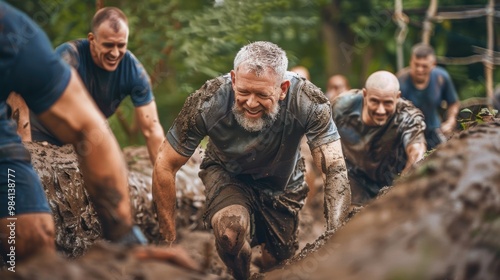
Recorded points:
252,125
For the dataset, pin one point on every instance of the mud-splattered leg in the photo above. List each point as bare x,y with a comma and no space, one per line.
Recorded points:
231,229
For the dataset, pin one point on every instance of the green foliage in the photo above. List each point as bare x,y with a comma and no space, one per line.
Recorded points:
184,43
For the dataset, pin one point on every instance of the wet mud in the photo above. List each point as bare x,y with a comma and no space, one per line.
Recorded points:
440,222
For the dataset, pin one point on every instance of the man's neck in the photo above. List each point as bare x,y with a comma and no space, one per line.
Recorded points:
421,84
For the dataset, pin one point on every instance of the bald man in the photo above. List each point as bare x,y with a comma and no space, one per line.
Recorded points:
336,85
382,135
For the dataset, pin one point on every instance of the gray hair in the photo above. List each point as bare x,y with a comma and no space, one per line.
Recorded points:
259,57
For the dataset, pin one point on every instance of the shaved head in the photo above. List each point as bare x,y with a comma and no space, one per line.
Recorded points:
383,81
380,98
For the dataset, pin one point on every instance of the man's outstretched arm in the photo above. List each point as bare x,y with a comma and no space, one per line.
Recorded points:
330,160
74,118
151,128
414,153
451,118
168,162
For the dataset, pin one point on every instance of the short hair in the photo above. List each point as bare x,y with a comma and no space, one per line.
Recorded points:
383,80
260,56
113,14
422,50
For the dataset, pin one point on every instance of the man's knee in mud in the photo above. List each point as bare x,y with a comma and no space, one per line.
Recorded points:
230,233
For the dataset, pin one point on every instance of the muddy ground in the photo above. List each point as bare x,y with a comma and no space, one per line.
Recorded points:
442,222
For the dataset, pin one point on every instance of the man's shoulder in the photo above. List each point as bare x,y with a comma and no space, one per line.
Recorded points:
213,92
76,46
405,108
403,73
347,99
440,72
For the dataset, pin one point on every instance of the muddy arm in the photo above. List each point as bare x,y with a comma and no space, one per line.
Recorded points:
414,153
21,114
149,123
101,159
330,160
168,162
451,118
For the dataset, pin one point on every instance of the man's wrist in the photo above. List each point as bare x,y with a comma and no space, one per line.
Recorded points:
133,237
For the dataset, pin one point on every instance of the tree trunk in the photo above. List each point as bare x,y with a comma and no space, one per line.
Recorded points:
338,47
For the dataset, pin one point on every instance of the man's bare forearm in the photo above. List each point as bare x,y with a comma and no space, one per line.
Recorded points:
164,199
414,153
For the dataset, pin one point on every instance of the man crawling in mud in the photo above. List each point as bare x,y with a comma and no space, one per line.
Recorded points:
255,117
382,135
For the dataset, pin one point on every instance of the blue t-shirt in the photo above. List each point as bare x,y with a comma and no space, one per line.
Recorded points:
440,88
28,66
270,155
108,89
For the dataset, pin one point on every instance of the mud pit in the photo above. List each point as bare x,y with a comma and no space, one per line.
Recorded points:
442,222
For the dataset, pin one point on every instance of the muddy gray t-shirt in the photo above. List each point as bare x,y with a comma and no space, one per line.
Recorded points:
270,155
376,152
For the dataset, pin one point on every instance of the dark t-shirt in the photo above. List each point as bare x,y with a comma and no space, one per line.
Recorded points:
28,66
376,152
269,156
440,88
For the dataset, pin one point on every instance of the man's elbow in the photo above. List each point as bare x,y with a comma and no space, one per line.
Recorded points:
152,132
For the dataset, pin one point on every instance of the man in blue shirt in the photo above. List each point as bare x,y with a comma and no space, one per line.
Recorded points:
53,91
255,118
111,73
426,86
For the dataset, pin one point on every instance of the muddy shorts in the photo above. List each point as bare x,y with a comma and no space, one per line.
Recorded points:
23,193
274,216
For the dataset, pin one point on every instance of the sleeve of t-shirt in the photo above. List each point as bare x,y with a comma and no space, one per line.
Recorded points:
449,92
37,73
320,128
189,127
140,92
413,125
69,54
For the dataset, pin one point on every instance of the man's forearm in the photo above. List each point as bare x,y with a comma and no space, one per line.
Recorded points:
164,198
337,196
414,153
451,118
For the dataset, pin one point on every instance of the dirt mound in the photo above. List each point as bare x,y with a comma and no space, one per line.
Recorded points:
77,225
102,261
441,222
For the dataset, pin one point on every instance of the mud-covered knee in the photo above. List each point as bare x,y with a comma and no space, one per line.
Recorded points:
230,236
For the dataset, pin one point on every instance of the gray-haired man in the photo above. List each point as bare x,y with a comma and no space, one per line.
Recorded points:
255,117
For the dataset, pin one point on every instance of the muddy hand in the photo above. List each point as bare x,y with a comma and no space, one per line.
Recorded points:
174,255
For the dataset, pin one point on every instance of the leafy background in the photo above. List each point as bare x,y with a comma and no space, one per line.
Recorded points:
184,43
